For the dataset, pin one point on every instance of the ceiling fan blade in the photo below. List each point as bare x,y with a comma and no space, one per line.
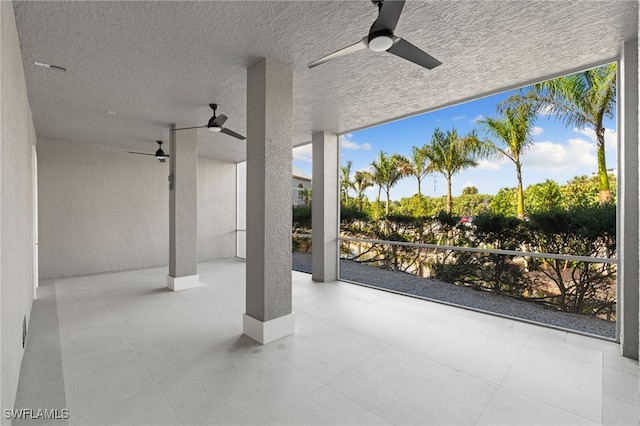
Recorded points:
408,51
388,16
189,128
218,121
141,153
231,133
362,44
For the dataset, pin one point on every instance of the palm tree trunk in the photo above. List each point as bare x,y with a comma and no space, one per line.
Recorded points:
603,177
449,199
520,193
387,209
419,192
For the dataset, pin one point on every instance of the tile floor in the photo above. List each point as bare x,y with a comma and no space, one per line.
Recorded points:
121,349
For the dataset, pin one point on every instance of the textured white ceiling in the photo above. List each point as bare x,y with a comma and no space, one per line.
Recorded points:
157,63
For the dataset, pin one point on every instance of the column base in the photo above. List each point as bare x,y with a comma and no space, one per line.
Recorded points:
268,331
183,283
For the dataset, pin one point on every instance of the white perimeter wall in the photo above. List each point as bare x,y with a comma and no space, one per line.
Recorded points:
102,209
16,227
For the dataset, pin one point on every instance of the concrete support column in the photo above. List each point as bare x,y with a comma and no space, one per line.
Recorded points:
269,175
183,210
628,250
325,206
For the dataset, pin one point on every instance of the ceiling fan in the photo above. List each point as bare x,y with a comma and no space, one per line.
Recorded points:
160,155
381,38
215,124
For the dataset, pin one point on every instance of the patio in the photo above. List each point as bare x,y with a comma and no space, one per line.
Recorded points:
121,349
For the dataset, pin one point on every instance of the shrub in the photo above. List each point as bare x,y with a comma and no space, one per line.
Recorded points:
584,287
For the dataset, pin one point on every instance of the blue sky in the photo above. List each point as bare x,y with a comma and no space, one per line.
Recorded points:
558,153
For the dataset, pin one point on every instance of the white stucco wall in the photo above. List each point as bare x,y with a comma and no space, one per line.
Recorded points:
102,209
16,247
216,209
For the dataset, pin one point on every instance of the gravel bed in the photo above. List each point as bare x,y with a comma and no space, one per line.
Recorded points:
463,296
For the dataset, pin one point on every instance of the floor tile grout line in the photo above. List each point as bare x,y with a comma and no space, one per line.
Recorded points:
55,298
493,395
458,370
142,360
524,345
544,349
634,377
341,374
330,385
334,320
359,364
499,385
469,330
297,367
602,387
115,320
295,402
360,405
548,403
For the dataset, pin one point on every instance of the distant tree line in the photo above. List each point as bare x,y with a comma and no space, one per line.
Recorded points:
580,191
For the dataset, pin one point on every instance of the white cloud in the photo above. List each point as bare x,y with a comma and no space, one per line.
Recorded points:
354,145
610,137
302,153
458,117
554,157
589,132
536,130
478,118
347,143
492,164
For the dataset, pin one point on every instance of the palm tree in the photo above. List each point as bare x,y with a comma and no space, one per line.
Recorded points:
417,165
361,181
376,177
386,173
513,132
449,154
345,181
579,100
305,193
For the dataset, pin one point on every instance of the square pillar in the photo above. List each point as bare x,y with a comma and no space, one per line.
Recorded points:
269,313
629,265
183,210
325,207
